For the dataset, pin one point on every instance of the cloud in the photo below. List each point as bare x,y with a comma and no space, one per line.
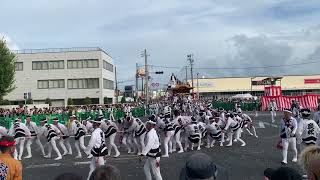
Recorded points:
11,45
219,33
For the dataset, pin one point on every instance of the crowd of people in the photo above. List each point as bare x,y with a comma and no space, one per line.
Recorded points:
178,125
25,110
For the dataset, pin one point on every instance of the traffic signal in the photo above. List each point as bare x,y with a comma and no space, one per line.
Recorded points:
159,72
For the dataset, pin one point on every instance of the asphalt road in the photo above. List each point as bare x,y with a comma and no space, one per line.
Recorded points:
241,163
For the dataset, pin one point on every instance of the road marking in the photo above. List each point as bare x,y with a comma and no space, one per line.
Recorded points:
43,165
261,124
271,124
82,163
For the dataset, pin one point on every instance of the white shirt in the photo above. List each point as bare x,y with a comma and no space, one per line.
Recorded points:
89,127
75,125
63,129
231,122
96,139
3,131
308,128
19,125
152,141
32,126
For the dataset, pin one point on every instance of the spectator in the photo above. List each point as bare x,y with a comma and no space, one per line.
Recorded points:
268,173
309,160
10,169
200,166
282,173
68,176
107,172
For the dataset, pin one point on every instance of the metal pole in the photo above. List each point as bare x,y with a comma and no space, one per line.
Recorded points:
137,82
186,74
190,59
251,85
198,86
147,76
115,75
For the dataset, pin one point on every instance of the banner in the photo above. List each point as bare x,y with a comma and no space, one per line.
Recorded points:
306,101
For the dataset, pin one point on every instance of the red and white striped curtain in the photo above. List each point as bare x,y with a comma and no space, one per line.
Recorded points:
272,91
306,101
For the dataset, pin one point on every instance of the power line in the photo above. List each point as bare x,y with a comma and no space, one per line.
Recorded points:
253,67
261,67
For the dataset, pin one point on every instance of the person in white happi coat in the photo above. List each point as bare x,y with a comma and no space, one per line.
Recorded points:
52,134
137,127
193,134
153,151
168,127
316,116
233,127
64,140
247,123
97,147
20,132
273,109
110,130
34,130
3,131
79,131
178,124
126,137
88,125
308,130
288,129
214,132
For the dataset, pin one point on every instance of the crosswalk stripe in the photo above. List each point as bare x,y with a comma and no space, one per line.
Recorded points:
261,124
43,165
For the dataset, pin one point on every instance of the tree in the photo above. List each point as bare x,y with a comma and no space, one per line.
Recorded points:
87,100
70,101
29,101
123,99
7,69
48,101
4,102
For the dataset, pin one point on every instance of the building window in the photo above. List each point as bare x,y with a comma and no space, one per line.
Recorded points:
91,83
19,66
51,84
44,65
107,66
83,63
108,84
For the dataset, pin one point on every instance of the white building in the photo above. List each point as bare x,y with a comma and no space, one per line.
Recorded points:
64,73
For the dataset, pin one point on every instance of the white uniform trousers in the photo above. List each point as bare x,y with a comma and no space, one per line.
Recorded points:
139,141
20,141
177,140
111,144
127,142
273,115
80,144
65,145
285,144
151,166
29,143
53,145
167,142
237,134
95,162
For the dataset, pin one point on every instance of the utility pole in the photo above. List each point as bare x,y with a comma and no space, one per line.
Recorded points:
191,61
147,76
186,74
137,78
198,86
115,76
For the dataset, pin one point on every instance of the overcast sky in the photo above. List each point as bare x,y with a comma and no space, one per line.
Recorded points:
226,33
